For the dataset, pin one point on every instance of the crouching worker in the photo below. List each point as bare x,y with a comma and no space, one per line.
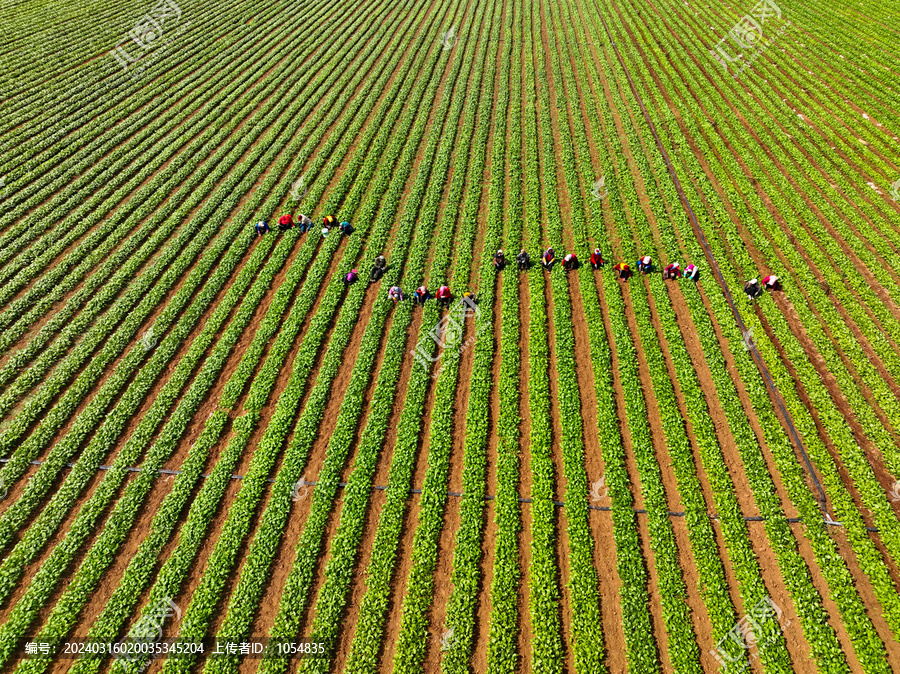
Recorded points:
691,272
522,260
570,262
377,268
304,223
548,258
421,295
395,294
623,270
285,222
444,296
329,222
499,260
672,271
262,227
346,228
645,264
753,289
597,260
351,277
772,283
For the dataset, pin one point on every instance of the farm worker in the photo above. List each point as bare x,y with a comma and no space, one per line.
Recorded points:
499,260
444,296
570,261
351,277
691,272
324,232
262,227
771,282
597,260
395,294
548,258
421,295
378,268
285,222
623,270
304,223
644,264
329,221
752,288
672,270
469,296
523,260
346,228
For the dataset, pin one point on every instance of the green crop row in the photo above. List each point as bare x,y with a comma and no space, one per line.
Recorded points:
503,629
584,604
544,593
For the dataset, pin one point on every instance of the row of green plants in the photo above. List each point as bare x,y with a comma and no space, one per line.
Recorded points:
584,601
544,591
506,574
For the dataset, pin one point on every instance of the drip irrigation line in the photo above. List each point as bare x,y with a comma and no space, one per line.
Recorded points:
381,487
751,346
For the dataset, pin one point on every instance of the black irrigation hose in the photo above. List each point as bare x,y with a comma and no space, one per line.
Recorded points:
166,471
751,346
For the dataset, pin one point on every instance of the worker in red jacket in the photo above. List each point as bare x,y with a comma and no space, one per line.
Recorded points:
444,296
623,270
597,260
285,222
570,261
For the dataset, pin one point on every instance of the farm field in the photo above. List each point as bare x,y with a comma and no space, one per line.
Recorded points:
210,438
